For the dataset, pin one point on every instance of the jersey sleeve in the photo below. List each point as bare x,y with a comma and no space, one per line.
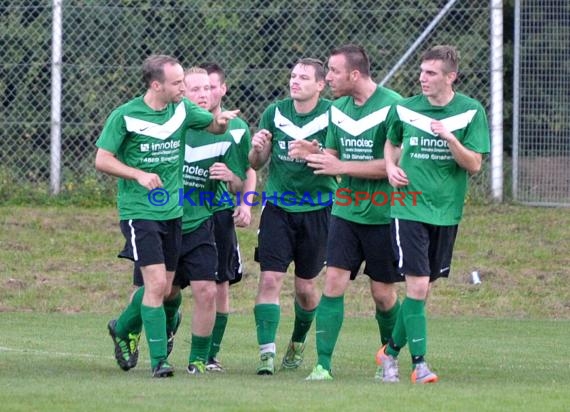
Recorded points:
394,126
267,117
232,160
113,133
477,137
244,147
330,139
196,116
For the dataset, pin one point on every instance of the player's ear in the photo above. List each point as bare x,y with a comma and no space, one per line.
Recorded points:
354,75
155,85
223,88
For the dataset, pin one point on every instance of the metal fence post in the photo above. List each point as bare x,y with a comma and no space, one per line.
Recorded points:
516,98
497,100
56,66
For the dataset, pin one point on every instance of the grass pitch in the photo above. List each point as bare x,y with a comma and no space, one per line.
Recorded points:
64,362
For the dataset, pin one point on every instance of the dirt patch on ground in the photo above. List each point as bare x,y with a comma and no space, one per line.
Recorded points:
544,179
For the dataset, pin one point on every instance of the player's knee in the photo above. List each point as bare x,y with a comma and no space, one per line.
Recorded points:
157,287
270,285
336,283
206,291
306,298
384,297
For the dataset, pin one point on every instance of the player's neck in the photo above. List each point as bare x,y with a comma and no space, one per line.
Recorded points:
363,91
153,101
306,106
442,99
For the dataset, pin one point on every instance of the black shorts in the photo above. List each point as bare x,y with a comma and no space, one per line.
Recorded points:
150,242
422,249
349,244
229,260
198,257
286,237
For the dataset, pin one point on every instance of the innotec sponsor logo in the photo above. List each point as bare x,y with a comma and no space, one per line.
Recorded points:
155,147
195,171
351,142
427,142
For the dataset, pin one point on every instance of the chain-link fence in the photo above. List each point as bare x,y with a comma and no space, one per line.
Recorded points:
257,42
541,156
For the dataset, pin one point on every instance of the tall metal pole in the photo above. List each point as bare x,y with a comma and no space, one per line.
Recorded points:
56,67
497,99
418,41
516,98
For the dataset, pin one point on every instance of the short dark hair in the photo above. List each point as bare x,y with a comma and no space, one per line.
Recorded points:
447,54
153,67
212,67
317,64
195,70
356,57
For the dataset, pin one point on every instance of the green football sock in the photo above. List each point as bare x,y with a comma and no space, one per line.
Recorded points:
199,348
386,322
130,321
399,337
330,315
303,320
266,320
416,326
171,310
218,333
154,321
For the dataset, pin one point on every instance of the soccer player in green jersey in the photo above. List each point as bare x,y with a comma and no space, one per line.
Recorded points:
442,135
228,214
360,223
295,218
142,144
209,161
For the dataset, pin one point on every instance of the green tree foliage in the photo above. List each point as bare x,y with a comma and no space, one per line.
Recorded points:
257,41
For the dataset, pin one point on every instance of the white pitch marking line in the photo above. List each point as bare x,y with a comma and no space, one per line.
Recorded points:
49,353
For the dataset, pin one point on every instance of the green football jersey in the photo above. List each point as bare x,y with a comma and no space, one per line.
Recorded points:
152,141
202,150
358,133
239,135
292,185
427,160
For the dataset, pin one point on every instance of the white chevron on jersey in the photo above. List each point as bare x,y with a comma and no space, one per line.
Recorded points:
195,154
357,127
423,122
459,121
157,131
237,134
300,133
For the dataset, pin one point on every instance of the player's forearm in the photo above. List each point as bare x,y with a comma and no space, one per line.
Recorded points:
467,159
250,180
107,163
367,169
216,127
235,184
258,159
391,154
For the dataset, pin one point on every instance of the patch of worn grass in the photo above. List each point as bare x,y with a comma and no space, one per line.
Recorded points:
64,259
